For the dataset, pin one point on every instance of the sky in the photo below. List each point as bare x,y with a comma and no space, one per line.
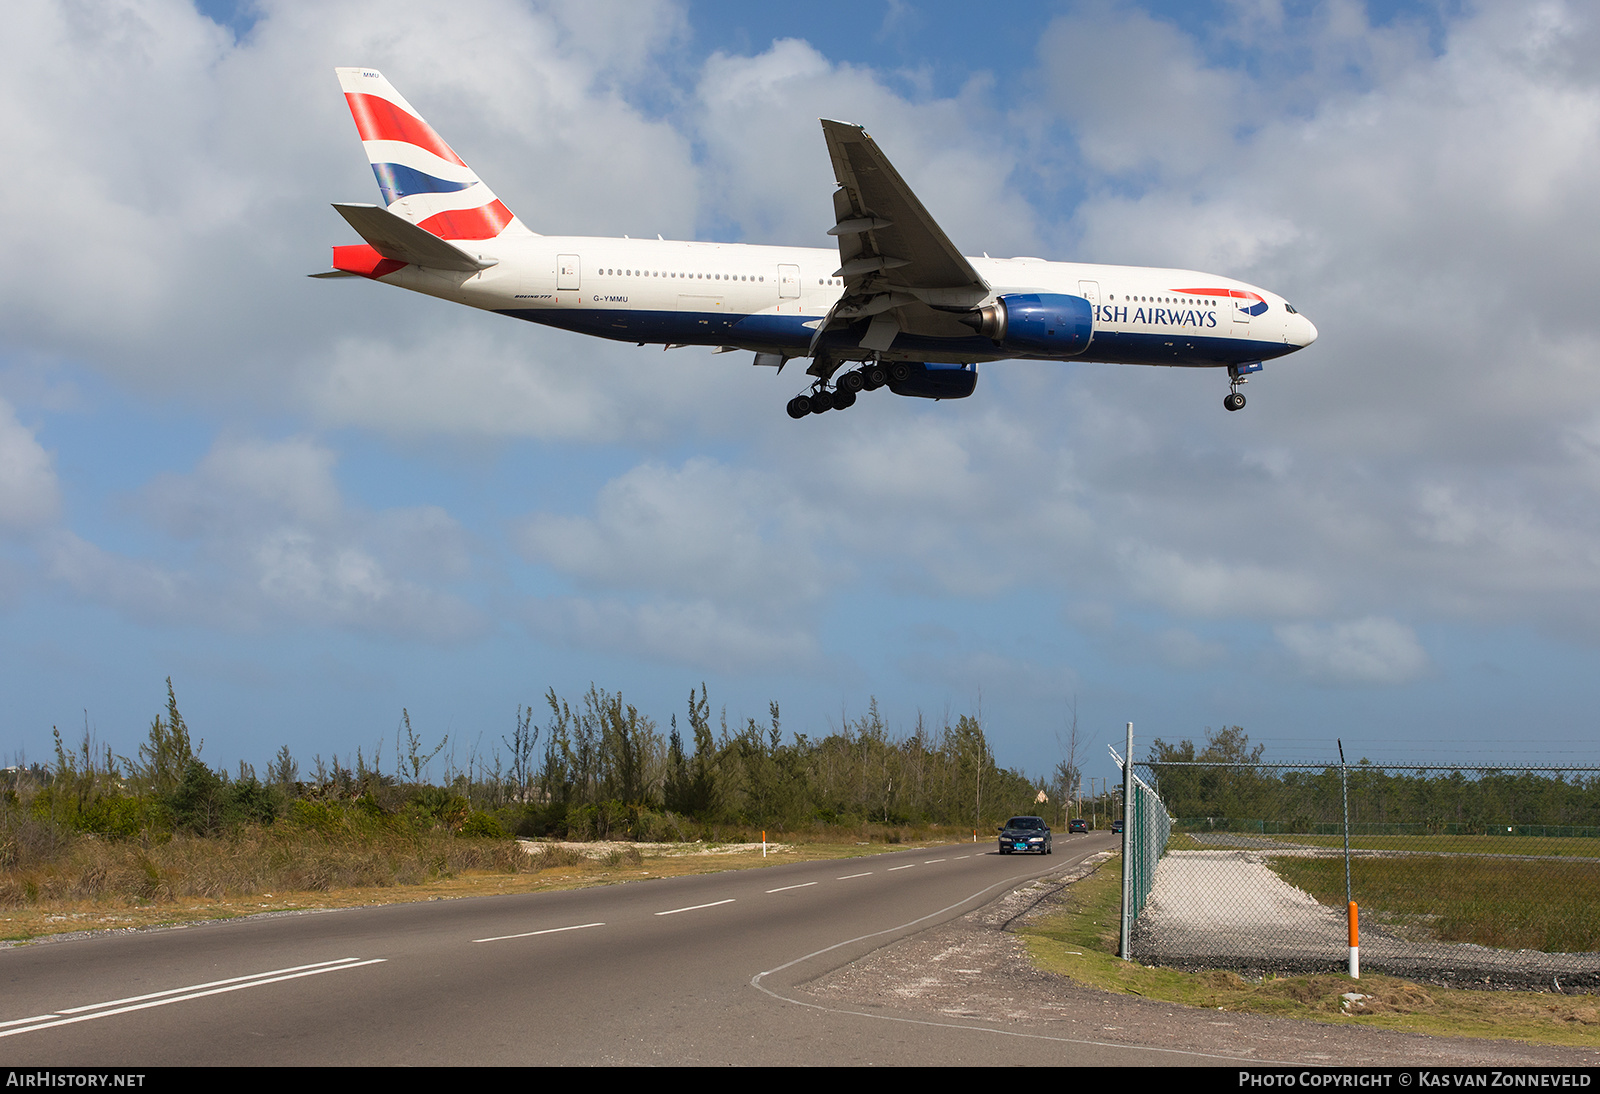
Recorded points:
313,504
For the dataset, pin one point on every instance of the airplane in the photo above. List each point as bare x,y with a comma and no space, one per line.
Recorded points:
897,301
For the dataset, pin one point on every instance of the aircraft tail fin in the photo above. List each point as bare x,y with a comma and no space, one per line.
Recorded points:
422,180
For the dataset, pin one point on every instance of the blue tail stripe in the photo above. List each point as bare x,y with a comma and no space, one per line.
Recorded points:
396,180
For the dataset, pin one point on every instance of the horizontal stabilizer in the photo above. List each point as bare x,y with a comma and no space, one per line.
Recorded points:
402,241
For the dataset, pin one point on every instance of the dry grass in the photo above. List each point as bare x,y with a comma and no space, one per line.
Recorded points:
97,885
1553,905
252,860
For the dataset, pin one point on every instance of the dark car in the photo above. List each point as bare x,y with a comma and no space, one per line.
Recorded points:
1077,824
1025,834
1116,826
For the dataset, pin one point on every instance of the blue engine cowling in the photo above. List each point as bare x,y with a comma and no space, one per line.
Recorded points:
1037,324
925,381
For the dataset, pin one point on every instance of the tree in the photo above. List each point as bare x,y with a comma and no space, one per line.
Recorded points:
524,739
165,756
411,747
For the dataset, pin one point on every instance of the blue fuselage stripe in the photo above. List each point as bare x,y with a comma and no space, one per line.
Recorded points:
780,333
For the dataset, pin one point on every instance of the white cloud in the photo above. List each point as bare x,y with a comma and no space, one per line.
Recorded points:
1137,93
1374,650
29,494
697,633
1434,456
701,531
259,534
767,167
1216,588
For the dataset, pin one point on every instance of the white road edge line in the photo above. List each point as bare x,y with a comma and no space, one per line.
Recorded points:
847,877
530,934
25,1021
262,980
907,866
203,987
925,862
786,888
696,907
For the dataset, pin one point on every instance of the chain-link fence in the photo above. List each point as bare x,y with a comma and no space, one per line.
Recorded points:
1472,877
1149,829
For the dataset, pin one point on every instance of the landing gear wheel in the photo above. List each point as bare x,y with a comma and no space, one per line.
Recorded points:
821,402
1233,401
843,398
852,382
900,372
874,377
799,407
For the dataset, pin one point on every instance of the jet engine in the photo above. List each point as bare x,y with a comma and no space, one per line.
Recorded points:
1036,324
929,381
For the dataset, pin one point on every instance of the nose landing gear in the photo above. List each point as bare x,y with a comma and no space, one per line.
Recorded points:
1237,374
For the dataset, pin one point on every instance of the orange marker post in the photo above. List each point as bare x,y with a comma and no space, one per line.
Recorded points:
1355,945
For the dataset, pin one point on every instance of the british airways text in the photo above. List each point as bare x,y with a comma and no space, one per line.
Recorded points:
1158,317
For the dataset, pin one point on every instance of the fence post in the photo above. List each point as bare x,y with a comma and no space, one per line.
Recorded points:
1127,843
1344,792
1355,943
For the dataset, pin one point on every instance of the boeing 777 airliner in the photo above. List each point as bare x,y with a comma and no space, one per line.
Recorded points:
897,301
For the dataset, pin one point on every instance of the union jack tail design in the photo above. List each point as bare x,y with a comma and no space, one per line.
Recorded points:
422,180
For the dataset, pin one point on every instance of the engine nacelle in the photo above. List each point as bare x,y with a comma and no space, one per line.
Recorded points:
926,381
1038,324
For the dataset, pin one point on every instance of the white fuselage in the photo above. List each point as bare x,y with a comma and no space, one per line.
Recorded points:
764,297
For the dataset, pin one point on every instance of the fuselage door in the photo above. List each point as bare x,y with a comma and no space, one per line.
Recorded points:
1090,291
1241,316
567,269
788,282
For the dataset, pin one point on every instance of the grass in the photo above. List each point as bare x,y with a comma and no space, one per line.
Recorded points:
1080,941
1560,846
1506,903
103,885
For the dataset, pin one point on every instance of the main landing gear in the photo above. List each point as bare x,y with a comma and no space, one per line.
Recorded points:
869,377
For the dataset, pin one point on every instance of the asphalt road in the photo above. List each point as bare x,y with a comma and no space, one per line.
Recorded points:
691,970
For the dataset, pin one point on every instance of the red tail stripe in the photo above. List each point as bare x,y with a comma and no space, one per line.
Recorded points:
484,222
380,120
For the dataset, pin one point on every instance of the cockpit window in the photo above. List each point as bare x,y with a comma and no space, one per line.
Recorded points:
1289,308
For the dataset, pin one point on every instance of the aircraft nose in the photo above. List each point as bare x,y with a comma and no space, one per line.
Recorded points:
1307,333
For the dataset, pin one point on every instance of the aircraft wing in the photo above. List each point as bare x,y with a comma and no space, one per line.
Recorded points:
898,266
